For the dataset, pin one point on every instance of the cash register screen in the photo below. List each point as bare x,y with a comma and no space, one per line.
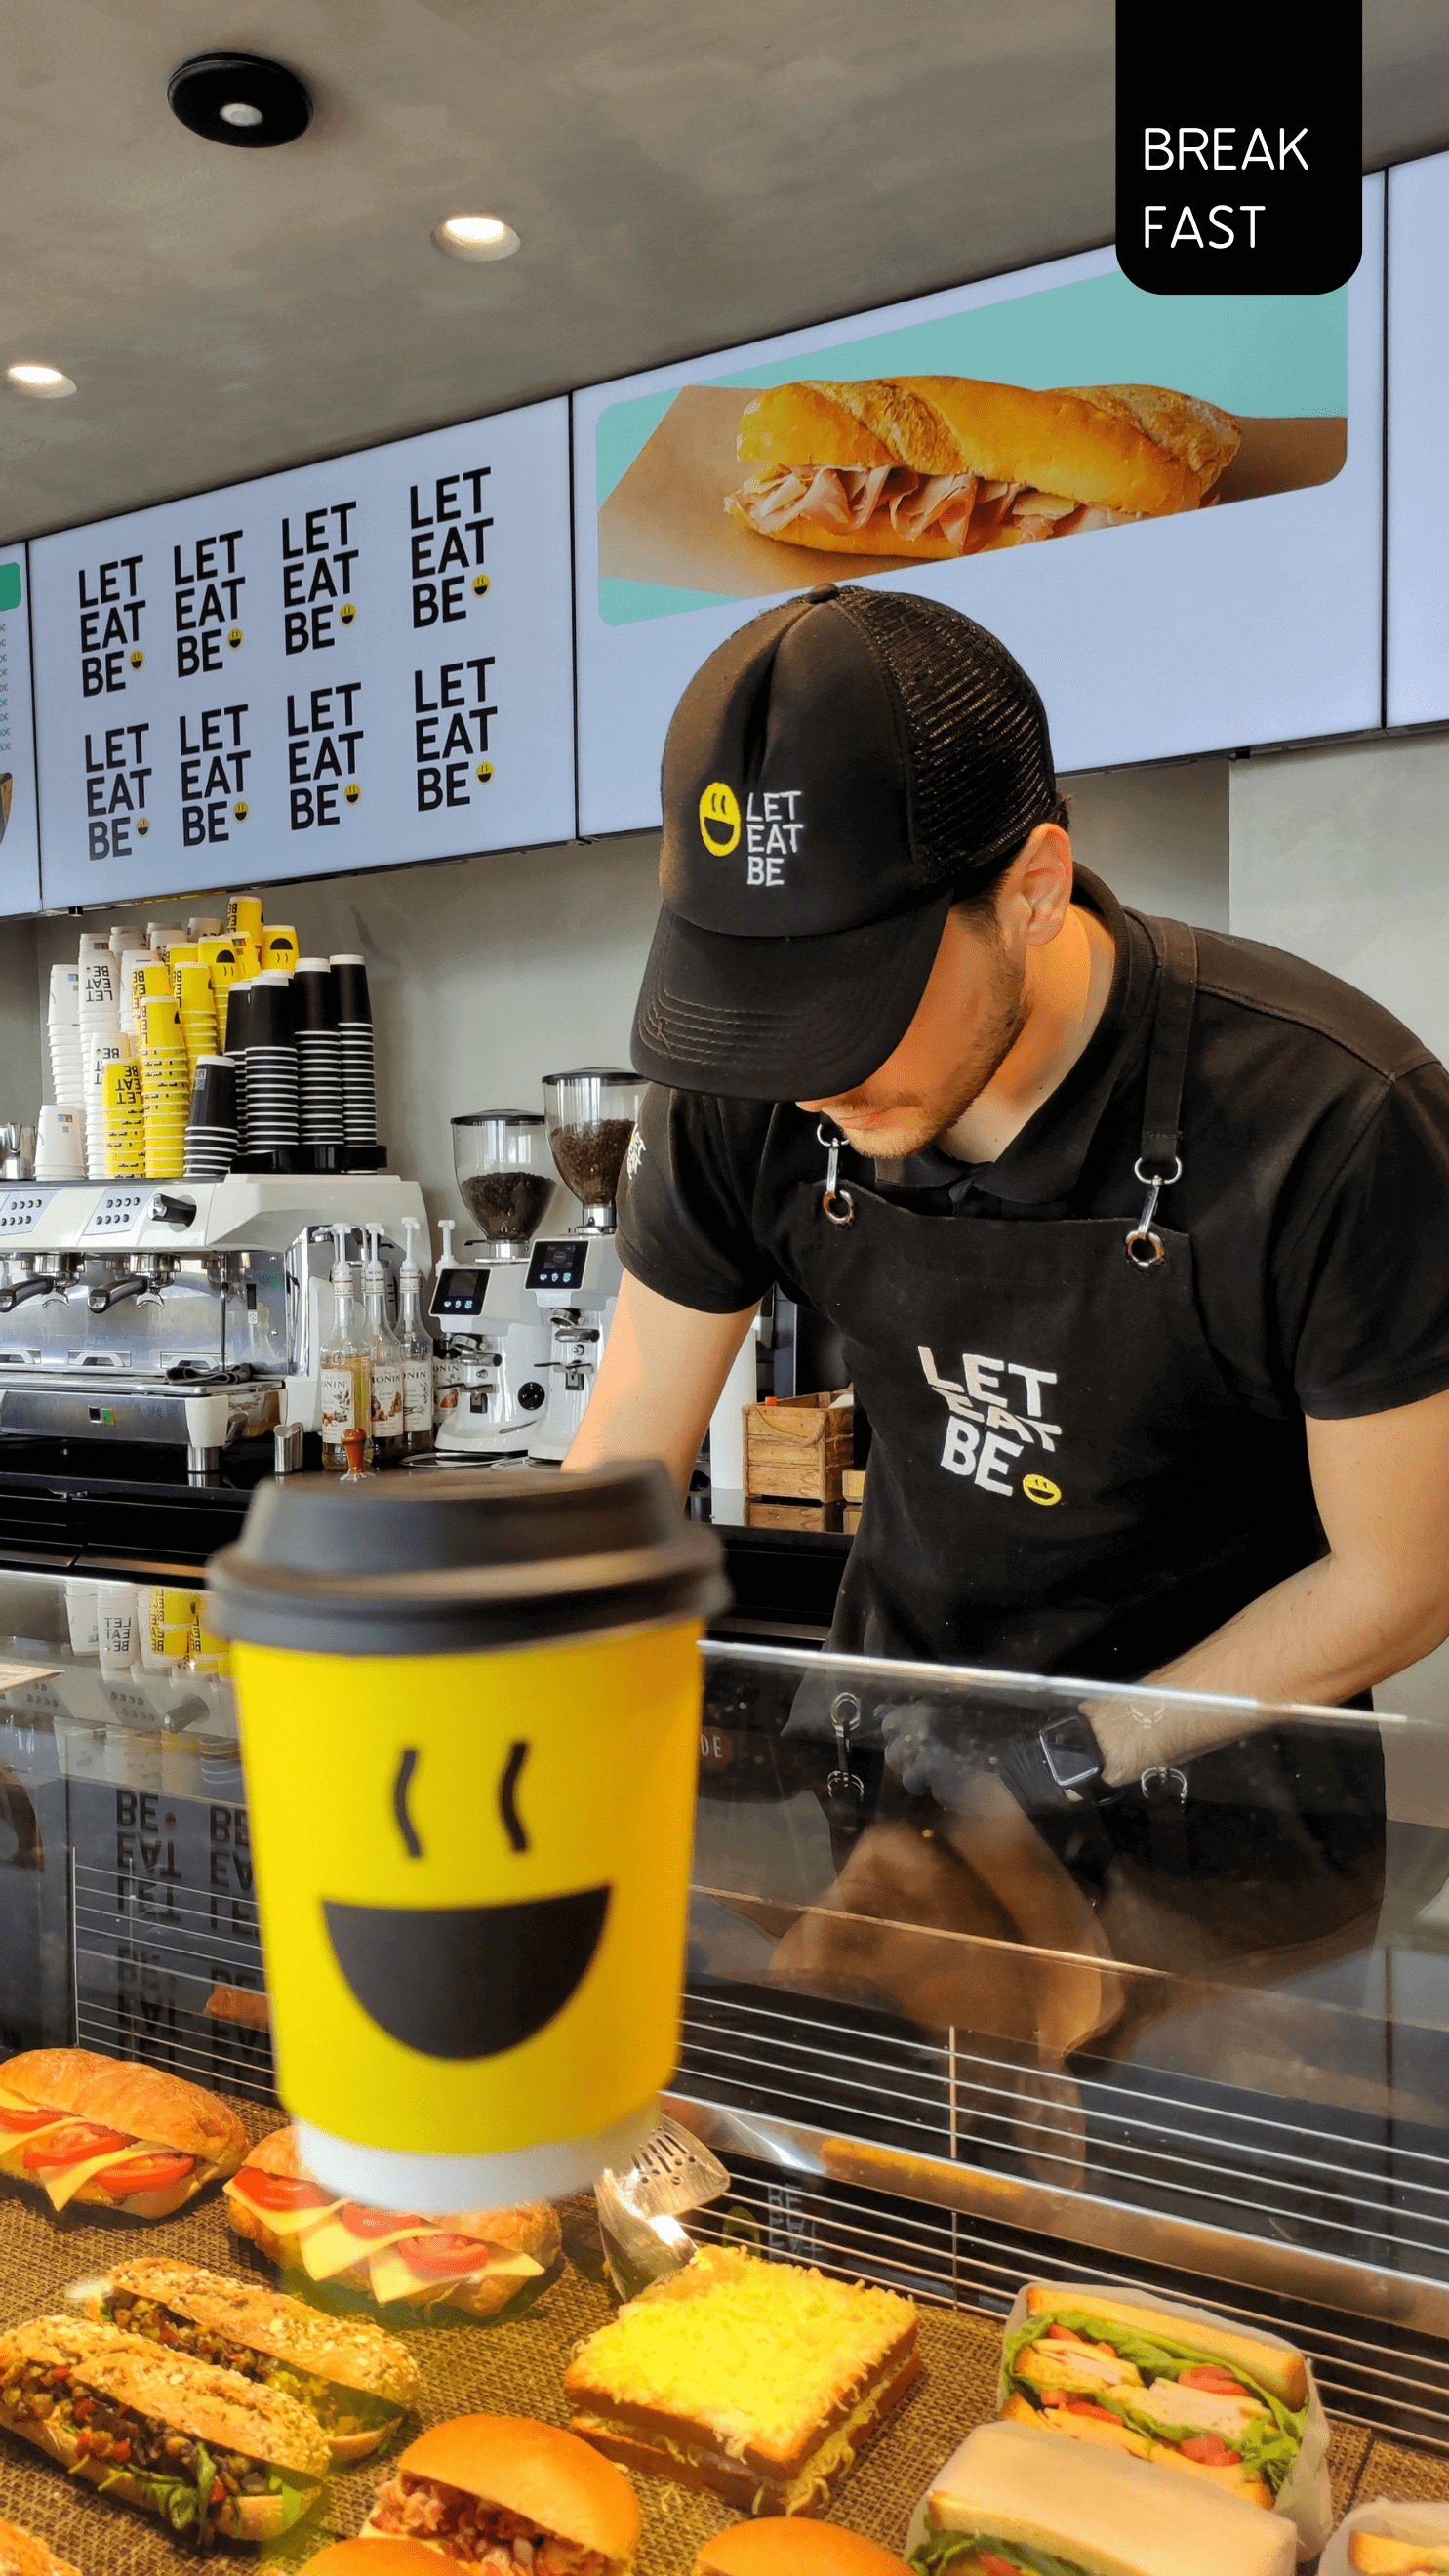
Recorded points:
459,1294
557,1265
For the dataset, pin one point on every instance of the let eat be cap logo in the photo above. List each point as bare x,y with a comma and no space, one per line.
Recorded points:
719,819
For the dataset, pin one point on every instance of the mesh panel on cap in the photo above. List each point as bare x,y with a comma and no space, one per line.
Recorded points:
977,731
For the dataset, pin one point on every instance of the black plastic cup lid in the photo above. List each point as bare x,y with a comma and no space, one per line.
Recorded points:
434,1565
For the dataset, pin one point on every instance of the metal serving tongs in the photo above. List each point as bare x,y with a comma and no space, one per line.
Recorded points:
640,2206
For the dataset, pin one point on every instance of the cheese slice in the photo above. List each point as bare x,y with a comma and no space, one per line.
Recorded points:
63,2186
394,2277
331,2248
14,2143
283,2222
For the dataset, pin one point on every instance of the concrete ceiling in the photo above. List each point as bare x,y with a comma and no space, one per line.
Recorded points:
682,177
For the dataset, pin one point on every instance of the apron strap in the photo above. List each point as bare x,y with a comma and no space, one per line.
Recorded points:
1177,991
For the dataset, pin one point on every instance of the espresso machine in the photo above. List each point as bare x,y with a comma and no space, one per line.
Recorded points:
496,1346
180,1313
574,1278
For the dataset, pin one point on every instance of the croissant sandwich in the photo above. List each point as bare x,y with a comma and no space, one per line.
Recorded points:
205,2449
356,2380
112,2134
943,466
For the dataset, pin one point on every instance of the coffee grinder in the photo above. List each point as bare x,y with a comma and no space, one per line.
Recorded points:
574,1279
497,1345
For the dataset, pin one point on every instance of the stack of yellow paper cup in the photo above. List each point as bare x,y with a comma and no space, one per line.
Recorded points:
244,912
165,1087
123,1122
192,986
219,957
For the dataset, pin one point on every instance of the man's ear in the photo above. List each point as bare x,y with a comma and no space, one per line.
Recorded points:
1042,876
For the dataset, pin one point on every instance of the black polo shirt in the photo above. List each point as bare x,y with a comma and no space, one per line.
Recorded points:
1315,1176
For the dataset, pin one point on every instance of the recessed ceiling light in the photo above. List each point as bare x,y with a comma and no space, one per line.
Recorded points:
476,237
47,384
243,99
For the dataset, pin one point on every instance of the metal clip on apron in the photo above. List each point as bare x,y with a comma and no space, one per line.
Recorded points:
835,1199
1160,1164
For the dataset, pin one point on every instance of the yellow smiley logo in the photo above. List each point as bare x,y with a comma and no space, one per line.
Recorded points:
484,771
143,822
234,638
347,612
1040,1489
137,658
480,584
352,792
719,819
239,809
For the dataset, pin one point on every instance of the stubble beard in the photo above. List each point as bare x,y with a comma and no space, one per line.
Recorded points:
915,1120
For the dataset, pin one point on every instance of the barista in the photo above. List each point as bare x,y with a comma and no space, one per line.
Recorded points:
1137,1238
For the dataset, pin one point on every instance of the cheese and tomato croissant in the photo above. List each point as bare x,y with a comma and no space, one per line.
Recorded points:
942,466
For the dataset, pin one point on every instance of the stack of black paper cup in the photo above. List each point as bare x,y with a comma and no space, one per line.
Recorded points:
271,1068
238,1021
359,1084
211,1132
319,1053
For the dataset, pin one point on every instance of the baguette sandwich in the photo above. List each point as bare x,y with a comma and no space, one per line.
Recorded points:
756,2381
207,2450
1012,2503
112,2134
795,2549
503,2484
1227,2406
357,2381
1373,2554
943,466
476,2260
21,2554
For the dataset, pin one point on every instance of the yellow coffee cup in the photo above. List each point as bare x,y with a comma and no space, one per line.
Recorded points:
470,1725
161,1025
244,912
279,948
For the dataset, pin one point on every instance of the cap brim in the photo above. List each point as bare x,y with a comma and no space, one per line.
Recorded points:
781,1019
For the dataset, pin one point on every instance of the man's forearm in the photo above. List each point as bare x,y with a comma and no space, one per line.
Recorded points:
1324,1634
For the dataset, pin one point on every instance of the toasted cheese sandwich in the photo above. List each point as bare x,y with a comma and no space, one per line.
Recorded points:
205,2449
757,2381
355,2379
112,2134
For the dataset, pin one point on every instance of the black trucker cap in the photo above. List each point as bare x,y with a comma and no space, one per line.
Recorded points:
836,776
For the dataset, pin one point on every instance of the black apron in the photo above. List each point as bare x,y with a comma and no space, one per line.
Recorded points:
1062,1482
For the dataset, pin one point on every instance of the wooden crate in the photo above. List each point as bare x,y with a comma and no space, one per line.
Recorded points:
852,1484
798,1447
794,1516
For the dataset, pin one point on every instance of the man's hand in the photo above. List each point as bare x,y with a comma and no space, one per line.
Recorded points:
659,1380
1378,1600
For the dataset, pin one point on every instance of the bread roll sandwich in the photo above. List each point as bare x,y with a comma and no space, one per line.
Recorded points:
205,2449
795,2549
1224,2405
487,2482
476,2260
21,2554
375,2556
757,2381
938,467
112,2134
357,2381
1373,2554
1012,2503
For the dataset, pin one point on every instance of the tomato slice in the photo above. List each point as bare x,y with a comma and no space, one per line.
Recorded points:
445,2258
72,2145
1211,2374
154,2169
995,2566
280,2191
18,2121
375,2222
1209,2450
1098,2414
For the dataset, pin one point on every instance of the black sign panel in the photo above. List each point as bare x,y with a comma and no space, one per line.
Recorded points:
1239,163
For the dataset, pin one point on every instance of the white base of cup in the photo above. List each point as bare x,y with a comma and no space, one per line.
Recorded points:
438,2186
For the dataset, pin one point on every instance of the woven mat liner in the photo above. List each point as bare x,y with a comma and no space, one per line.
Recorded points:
512,2364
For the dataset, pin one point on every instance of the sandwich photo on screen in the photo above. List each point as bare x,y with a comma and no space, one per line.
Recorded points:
112,2134
357,2380
1227,2407
207,2450
1011,2502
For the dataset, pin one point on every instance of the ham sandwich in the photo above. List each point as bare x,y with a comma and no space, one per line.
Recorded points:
757,2381
944,466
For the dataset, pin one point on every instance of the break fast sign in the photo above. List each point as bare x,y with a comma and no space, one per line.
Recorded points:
345,666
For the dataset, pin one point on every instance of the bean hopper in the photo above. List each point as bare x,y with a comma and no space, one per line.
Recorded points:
574,1278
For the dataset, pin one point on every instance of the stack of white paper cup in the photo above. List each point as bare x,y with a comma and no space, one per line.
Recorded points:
60,1144
62,1028
82,1614
99,1021
118,1622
